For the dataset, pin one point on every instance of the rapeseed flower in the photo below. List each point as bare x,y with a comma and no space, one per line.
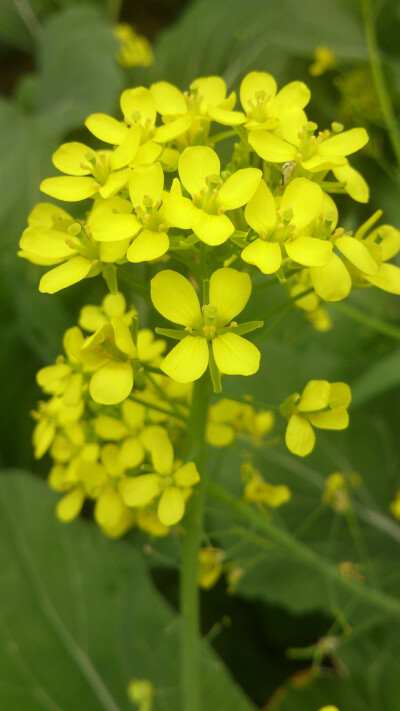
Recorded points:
322,405
199,172
209,335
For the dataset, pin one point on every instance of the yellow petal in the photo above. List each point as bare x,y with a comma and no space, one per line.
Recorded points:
114,182
133,413
332,282
65,275
219,435
319,162
162,452
315,396
340,395
211,229
109,428
357,253
299,436
147,154
305,199
195,164
46,242
175,298
186,475
123,337
235,355
271,148
147,246
225,117
239,188
146,181
139,103
187,361
296,93
106,128
337,419
169,100
267,256
356,186
309,251
114,227
112,383
260,211
252,84
43,435
113,251
109,509
70,189
69,156
131,453
140,491
210,90
387,278
173,129
344,143
70,505
127,149
179,211
46,214
229,291
291,121
171,506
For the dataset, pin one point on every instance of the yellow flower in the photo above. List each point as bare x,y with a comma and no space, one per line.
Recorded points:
134,50
114,305
290,227
262,103
258,491
207,335
294,141
227,418
199,169
210,566
322,405
170,483
324,60
336,492
187,114
141,693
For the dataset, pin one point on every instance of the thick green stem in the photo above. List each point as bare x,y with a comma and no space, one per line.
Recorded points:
388,329
193,525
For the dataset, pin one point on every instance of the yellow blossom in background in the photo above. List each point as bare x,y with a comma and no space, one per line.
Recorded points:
395,506
322,405
258,491
324,61
210,567
141,693
134,49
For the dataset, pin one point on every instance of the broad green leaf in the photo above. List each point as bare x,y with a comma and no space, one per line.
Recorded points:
79,616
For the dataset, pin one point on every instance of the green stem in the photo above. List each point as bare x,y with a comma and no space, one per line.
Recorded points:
158,408
380,79
193,531
138,286
250,401
285,539
176,410
376,324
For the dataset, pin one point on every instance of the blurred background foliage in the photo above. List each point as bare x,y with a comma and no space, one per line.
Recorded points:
80,615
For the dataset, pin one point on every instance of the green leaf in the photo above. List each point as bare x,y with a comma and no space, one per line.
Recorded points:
79,616
381,376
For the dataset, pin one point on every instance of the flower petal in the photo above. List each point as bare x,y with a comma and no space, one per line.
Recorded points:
254,83
169,100
69,156
239,188
146,181
296,93
387,278
187,361
186,475
309,251
114,227
315,396
235,355
106,128
209,90
171,506
260,211
46,242
127,149
271,148
305,199
175,298
337,419
332,282
140,490
357,253
267,256
356,186
162,452
65,275
344,143
70,505
195,164
138,103
179,211
299,436
211,229
173,129
69,188
219,435
229,291
112,383
147,246
131,453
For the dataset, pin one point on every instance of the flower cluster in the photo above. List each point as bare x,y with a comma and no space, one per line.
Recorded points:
155,210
